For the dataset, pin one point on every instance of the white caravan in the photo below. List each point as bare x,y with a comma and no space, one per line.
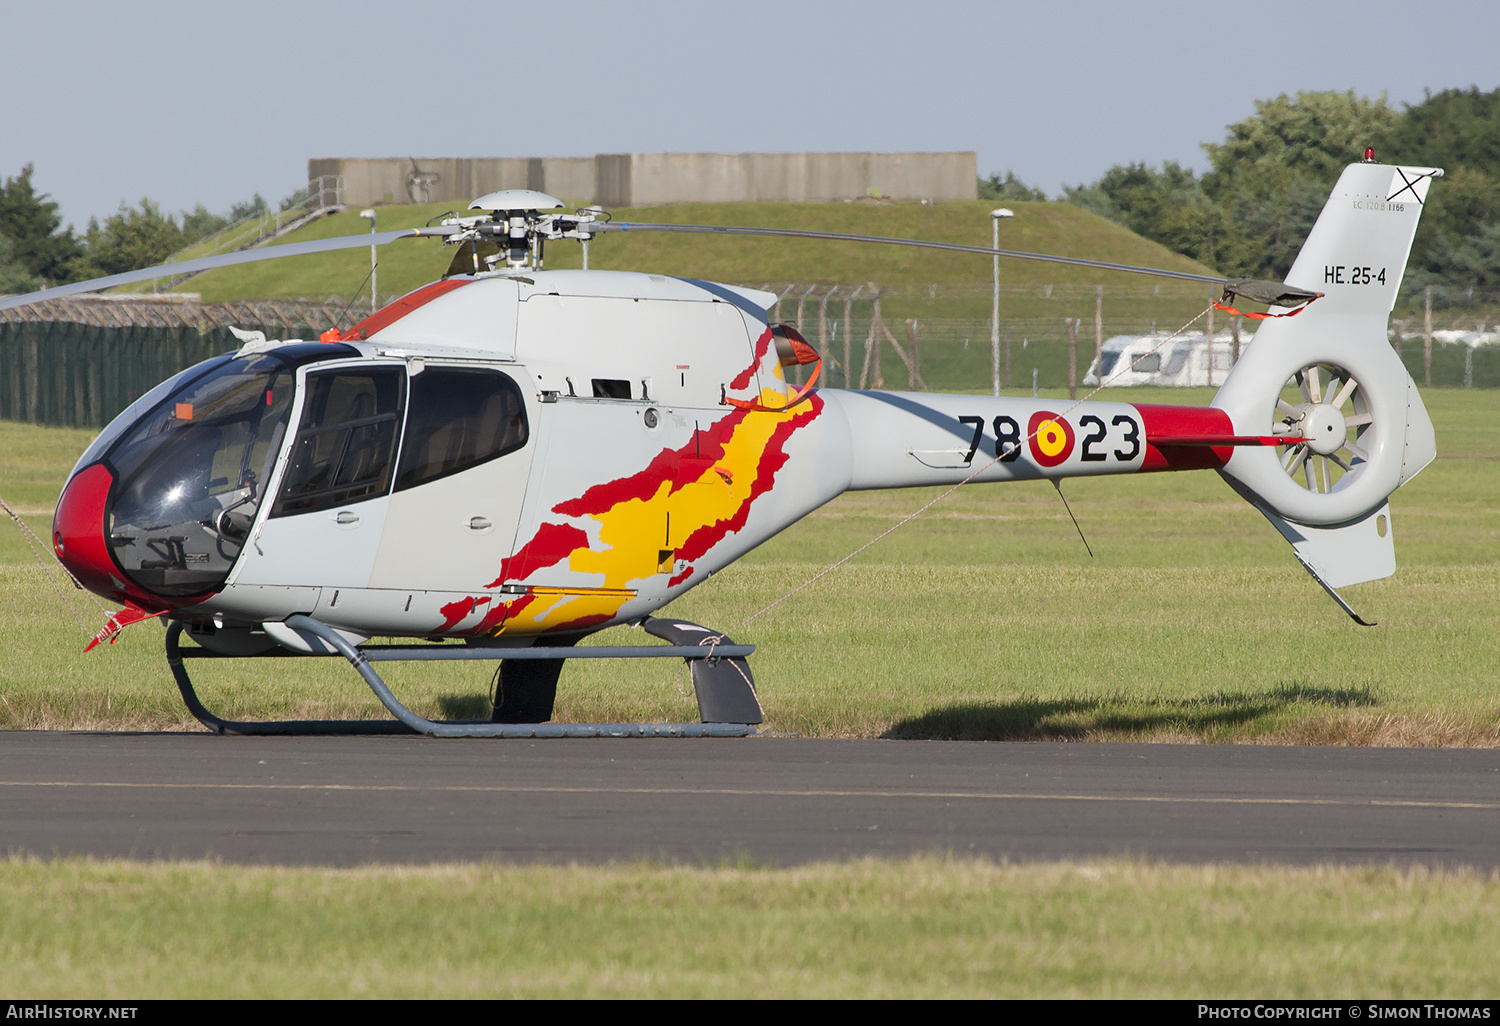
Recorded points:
1179,363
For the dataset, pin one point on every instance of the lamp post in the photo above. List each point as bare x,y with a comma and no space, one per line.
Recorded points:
995,216
368,212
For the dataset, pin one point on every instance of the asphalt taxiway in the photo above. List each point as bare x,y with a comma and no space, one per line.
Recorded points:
782,801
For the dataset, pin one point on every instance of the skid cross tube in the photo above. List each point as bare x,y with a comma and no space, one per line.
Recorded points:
408,722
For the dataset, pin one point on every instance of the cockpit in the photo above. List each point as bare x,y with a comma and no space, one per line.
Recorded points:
191,475
181,483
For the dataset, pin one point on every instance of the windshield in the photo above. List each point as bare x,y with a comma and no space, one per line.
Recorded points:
191,474
138,408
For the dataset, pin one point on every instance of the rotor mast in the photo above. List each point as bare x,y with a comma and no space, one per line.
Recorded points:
517,223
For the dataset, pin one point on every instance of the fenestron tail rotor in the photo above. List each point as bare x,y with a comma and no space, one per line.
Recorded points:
1331,405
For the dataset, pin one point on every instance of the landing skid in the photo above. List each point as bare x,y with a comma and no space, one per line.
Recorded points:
721,694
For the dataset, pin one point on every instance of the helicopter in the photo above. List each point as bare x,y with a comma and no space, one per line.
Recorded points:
519,457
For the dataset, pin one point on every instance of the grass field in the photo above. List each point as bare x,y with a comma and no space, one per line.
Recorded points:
985,618
867,929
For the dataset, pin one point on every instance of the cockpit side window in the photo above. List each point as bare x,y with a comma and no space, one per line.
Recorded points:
460,417
346,442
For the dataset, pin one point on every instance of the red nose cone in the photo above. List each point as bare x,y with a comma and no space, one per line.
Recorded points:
78,532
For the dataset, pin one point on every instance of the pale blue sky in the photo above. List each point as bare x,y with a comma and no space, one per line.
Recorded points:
211,102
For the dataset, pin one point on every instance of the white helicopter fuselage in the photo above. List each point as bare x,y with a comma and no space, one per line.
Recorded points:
631,477
521,453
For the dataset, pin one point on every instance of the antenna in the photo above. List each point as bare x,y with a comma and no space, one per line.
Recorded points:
1057,483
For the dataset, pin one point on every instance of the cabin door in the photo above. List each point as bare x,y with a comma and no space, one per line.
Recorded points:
465,460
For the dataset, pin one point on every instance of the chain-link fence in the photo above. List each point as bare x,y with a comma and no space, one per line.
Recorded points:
938,336
79,361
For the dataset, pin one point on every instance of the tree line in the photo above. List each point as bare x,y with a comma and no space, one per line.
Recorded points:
1247,215
1269,178
36,251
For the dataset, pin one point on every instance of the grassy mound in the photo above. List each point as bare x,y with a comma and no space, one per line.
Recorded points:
1056,228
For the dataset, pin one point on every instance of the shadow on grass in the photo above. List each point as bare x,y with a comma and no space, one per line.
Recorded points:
1075,719
465,707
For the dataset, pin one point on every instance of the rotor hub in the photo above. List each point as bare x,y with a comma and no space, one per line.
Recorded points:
512,230
1324,427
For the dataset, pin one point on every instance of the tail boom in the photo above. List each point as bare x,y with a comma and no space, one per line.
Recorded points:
911,439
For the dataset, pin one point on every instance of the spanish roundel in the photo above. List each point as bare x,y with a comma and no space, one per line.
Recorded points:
1051,438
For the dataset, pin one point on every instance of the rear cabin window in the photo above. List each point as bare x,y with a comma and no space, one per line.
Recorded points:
346,441
459,418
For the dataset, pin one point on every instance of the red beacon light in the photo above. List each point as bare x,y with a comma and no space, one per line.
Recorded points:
1369,154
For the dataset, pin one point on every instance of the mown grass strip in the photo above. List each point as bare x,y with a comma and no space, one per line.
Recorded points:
924,927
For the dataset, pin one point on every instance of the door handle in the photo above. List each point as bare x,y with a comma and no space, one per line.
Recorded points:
345,517
479,524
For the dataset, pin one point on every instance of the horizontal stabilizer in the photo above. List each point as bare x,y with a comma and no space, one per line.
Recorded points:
1196,425
1165,439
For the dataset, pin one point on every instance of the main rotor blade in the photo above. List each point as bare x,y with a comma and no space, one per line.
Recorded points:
382,238
226,260
793,233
